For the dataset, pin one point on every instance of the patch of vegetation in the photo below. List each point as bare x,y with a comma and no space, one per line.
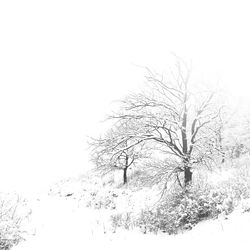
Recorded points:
13,215
181,209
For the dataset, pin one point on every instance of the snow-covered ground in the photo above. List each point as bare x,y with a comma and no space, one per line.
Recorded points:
62,224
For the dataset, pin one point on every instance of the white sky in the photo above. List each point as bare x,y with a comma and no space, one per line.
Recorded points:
63,62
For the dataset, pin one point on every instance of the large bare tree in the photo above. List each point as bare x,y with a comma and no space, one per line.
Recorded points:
182,121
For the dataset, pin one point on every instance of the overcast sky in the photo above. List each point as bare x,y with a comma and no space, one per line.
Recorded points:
63,62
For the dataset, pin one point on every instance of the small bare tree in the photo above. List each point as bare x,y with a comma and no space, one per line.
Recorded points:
182,124
118,149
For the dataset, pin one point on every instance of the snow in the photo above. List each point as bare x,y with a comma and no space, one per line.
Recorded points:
62,224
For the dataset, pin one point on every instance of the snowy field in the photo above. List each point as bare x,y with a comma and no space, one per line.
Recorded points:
66,217
61,224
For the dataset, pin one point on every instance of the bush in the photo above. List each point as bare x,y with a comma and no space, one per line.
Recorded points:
123,220
104,199
181,210
184,209
13,213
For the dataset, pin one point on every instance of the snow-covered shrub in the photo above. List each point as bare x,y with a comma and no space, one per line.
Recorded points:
13,213
183,209
102,202
180,209
102,199
123,220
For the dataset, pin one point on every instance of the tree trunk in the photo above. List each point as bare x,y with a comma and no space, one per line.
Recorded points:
125,177
187,176
186,156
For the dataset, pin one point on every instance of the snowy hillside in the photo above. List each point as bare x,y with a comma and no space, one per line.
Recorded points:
76,214
62,225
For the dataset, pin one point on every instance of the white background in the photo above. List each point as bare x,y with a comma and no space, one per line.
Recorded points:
63,62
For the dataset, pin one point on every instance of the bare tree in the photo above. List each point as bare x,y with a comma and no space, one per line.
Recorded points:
118,149
182,124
